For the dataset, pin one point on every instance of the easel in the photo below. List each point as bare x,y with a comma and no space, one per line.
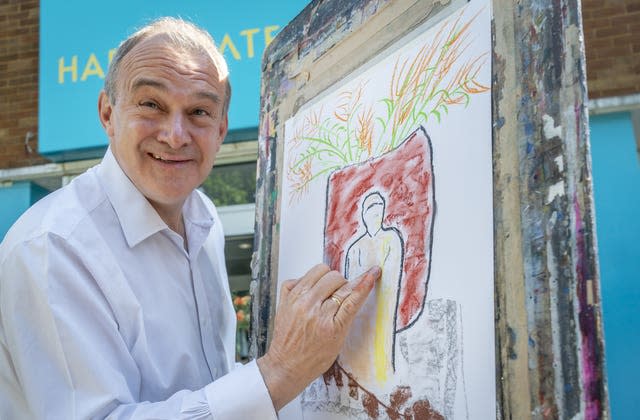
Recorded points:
549,338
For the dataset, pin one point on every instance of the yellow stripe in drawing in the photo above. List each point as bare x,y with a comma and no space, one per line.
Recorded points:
380,356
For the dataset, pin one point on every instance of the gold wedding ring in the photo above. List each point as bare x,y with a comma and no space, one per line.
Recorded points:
336,299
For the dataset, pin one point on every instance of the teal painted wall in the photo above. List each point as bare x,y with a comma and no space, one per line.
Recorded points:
616,182
15,199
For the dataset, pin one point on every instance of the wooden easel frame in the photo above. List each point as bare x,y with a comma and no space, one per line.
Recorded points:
549,338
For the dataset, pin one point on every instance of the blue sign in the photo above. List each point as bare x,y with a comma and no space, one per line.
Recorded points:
78,38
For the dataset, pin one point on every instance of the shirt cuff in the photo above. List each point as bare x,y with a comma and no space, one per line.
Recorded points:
241,394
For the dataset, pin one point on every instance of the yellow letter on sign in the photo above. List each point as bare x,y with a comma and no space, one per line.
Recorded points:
92,68
249,33
73,68
227,42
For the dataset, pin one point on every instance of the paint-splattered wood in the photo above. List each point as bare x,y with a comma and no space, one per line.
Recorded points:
549,339
548,319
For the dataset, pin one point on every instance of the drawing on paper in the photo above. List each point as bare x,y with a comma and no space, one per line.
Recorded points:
374,159
362,228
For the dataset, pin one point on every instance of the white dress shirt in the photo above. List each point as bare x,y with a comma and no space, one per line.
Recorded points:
104,314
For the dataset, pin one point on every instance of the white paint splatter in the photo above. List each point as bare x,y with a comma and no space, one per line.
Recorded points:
559,160
550,128
552,220
556,190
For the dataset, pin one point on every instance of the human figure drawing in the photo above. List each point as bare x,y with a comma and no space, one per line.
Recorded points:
369,350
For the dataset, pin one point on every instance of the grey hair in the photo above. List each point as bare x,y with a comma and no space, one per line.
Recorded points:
181,34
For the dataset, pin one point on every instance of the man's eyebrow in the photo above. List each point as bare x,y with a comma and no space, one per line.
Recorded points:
143,82
209,95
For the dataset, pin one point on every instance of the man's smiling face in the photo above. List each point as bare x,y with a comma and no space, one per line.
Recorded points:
167,122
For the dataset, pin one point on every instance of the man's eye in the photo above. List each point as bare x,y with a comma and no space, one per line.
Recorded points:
200,112
149,104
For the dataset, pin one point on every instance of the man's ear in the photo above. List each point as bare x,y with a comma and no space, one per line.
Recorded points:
105,112
222,131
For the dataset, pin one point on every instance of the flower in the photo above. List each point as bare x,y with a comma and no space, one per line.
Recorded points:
242,306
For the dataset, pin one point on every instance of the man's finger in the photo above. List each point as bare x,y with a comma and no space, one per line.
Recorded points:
286,287
312,276
333,292
353,301
328,285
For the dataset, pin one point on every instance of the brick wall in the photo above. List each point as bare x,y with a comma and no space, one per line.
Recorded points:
19,28
612,40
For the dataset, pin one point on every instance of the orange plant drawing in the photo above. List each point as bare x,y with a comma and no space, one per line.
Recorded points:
421,90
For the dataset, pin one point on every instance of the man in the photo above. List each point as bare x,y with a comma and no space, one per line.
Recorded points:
113,293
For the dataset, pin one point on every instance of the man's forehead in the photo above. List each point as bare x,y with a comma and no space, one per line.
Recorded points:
159,50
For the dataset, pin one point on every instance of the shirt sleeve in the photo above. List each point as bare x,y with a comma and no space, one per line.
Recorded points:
248,380
61,354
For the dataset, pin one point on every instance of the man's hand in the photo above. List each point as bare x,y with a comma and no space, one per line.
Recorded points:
312,321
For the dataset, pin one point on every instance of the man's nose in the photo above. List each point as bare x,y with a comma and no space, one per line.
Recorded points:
174,131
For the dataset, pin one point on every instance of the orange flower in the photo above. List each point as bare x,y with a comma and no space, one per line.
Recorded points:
240,316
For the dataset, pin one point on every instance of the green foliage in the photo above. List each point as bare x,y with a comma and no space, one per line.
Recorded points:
231,184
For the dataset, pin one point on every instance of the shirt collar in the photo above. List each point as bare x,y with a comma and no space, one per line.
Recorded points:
138,219
198,221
